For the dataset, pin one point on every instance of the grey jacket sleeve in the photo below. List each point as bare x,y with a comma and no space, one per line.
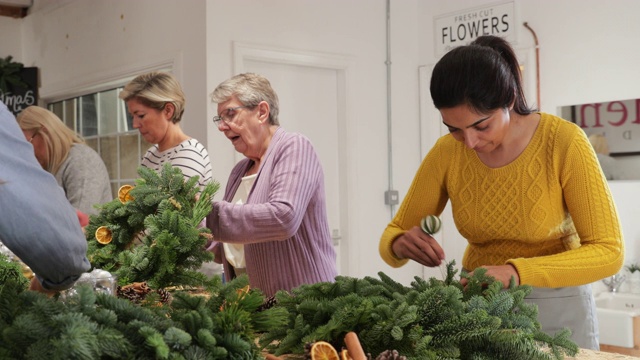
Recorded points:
37,222
84,179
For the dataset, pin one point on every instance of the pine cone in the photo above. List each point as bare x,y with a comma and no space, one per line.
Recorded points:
165,296
137,292
268,304
129,293
390,355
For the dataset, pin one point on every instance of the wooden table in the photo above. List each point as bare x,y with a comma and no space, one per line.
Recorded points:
599,355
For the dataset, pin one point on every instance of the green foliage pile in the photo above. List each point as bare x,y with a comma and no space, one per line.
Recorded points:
434,319
155,236
11,271
99,326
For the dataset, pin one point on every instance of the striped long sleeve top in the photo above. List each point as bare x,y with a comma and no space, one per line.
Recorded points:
283,225
190,156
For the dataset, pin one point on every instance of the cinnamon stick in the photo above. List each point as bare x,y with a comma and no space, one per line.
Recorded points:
353,346
271,357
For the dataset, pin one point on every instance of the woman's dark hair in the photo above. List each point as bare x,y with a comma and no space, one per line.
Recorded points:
485,75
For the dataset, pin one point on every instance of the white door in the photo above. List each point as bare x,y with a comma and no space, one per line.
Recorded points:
309,98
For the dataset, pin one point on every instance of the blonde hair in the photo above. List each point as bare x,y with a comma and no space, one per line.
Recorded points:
156,89
56,135
599,143
250,89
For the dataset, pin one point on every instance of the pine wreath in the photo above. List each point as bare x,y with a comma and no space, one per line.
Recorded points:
151,233
431,319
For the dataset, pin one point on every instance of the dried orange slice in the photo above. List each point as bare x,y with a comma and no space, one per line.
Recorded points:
103,235
123,193
344,355
322,350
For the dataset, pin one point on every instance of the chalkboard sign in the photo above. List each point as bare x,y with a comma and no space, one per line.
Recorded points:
19,97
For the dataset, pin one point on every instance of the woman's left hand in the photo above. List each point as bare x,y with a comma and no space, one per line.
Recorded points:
502,273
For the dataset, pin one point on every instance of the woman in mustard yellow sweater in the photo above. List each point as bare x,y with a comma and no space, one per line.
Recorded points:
525,187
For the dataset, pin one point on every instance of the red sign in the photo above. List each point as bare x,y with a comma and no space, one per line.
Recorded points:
618,121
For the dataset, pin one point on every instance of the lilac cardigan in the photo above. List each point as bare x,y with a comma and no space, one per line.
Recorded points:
283,224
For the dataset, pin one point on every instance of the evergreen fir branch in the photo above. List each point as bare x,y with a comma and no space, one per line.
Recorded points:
202,206
461,328
207,341
11,271
177,339
392,285
431,319
25,330
94,326
559,344
76,338
451,273
154,341
161,214
500,304
113,344
437,304
10,304
39,350
236,346
292,343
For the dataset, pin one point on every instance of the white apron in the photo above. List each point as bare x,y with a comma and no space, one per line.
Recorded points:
568,307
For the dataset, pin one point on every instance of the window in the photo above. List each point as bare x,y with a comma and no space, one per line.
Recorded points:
101,118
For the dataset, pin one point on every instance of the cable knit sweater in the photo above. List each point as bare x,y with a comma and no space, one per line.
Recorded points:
549,212
283,225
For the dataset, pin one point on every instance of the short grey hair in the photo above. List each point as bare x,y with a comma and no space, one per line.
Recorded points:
250,89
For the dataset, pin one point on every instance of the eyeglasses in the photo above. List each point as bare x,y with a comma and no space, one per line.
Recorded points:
34,135
227,115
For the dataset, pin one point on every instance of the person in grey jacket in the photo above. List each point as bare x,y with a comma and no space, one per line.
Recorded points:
37,222
78,169
272,223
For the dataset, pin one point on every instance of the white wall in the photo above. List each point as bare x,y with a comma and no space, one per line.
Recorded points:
78,44
10,38
587,54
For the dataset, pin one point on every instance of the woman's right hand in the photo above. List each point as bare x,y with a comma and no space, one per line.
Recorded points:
418,246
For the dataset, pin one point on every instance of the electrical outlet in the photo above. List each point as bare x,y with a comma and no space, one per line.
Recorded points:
391,197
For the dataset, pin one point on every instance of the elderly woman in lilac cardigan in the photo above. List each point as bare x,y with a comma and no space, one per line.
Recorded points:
272,223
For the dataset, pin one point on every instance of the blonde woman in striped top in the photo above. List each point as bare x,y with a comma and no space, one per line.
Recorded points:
156,102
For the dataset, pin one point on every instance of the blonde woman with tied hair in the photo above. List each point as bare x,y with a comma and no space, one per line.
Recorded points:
156,102
78,169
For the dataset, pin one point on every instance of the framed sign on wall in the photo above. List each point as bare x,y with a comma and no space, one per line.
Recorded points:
465,25
618,121
18,85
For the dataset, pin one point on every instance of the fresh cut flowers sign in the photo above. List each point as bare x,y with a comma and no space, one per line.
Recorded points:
462,27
